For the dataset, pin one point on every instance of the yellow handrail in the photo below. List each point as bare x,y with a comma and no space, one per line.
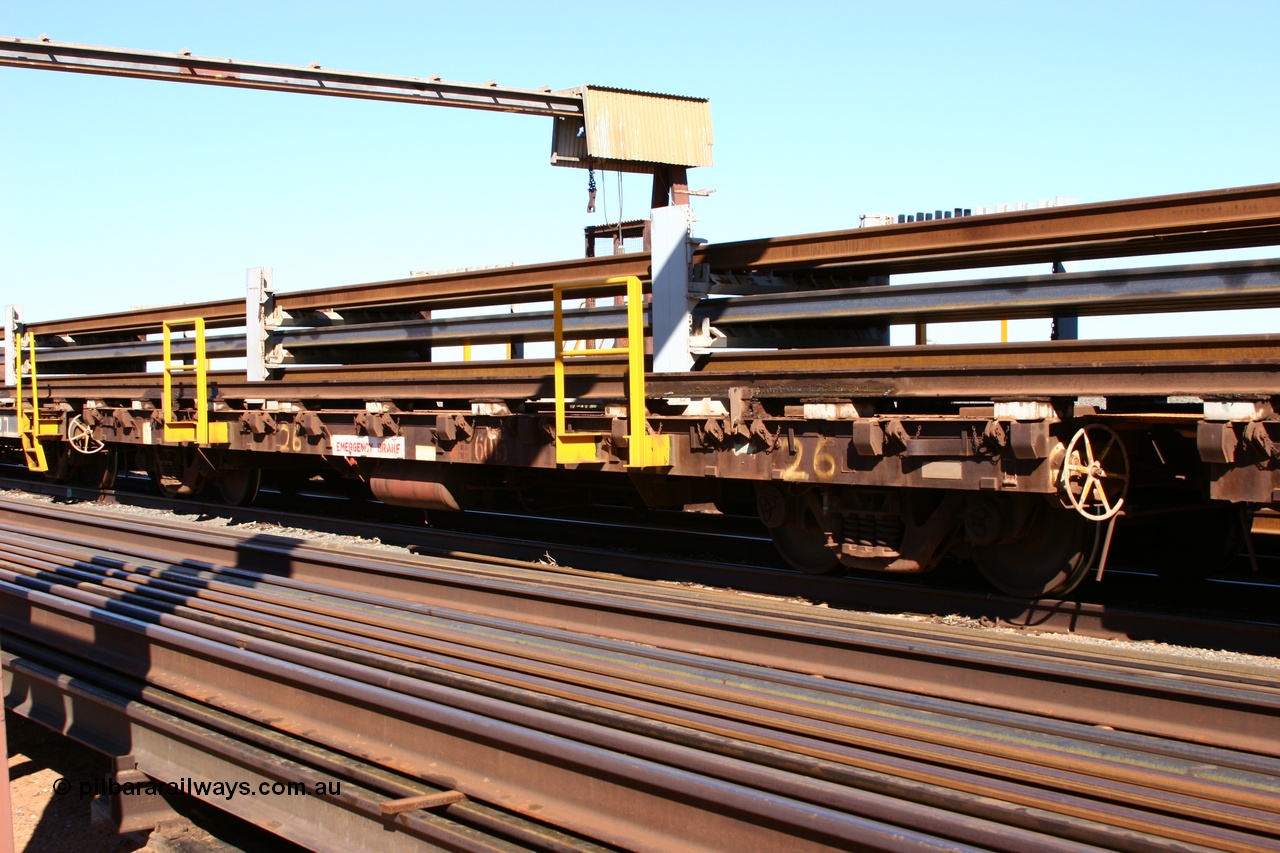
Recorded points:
29,425
200,430
644,450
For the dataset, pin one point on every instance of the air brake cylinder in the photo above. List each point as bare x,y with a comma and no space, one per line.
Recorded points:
420,485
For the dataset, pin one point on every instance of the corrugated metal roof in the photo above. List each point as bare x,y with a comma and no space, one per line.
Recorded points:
623,130
647,128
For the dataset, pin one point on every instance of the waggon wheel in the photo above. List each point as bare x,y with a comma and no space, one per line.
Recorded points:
98,471
167,471
805,549
60,462
239,486
1050,559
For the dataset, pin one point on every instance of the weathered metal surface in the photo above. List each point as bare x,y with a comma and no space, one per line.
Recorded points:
657,697
622,130
1201,287
1006,781
606,784
1190,704
1247,365
860,592
476,287
1237,365
192,755
311,80
419,486
1249,284
1246,216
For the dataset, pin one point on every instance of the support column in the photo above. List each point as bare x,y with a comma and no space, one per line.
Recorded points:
12,343
259,319
672,308
1064,328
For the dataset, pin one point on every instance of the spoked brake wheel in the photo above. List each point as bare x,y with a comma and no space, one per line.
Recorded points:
1095,473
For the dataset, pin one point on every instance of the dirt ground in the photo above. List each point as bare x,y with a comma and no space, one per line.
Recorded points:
46,822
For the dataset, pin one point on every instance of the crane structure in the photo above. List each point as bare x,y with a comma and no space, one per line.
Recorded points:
596,127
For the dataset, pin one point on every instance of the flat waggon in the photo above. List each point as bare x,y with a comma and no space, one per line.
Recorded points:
755,376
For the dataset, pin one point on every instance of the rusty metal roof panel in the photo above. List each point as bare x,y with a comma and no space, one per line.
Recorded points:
631,131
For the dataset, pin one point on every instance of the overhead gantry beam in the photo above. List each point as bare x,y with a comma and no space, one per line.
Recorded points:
311,80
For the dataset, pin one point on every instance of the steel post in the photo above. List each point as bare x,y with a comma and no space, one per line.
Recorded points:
12,343
672,308
259,319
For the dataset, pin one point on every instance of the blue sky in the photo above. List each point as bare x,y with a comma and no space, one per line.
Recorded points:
122,193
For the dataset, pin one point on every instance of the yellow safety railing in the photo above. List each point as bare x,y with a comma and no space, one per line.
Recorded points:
30,427
644,450
201,431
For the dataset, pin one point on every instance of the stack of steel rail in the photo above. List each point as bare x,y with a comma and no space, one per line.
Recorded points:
781,287
565,713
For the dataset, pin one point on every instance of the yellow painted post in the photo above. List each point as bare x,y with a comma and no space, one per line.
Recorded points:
558,364
645,450
29,426
578,446
200,430
1004,331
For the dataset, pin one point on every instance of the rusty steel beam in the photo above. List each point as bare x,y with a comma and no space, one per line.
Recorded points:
1244,216
1195,287
478,287
507,380
1225,352
1198,287
1217,366
864,593
1196,706
177,751
633,713
311,80
1226,366
584,777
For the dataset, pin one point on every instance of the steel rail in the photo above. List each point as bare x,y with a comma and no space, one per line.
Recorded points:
369,623
1080,686
1219,366
1081,618
606,784
1170,366
1201,287
312,80
179,741
477,287
1197,287
1153,225
1238,217
410,633
429,656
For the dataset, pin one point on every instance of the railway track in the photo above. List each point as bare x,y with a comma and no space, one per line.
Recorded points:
612,711
1134,607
